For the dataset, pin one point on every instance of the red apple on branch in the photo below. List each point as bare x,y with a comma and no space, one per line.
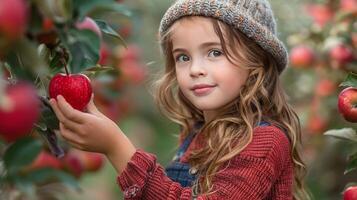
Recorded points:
13,18
347,104
104,54
92,161
348,5
302,56
316,124
350,193
75,88
320,13
341,54
19,110
45,159
72,163
325,87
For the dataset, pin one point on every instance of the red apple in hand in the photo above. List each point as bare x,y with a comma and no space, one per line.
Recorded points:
347,104
75,88
350,193
19,110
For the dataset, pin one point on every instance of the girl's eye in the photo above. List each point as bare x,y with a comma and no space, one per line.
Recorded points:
182,58
215,53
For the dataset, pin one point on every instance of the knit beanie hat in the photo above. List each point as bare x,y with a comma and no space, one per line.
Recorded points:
254,18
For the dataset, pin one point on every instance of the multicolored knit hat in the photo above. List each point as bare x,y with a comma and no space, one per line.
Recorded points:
254,18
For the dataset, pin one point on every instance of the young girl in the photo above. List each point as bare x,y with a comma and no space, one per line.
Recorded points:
239,136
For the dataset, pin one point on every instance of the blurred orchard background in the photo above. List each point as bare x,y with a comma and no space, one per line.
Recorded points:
115,44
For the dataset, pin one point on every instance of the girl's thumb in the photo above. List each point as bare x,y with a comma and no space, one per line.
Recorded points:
91,108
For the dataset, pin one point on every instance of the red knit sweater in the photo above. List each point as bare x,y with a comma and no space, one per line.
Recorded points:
263,170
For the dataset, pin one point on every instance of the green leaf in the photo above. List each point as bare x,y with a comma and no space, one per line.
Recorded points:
67,179
21,153
16,67
99,68
105,28
59,10
85,7
25,186
45,174
24,61
352,163
350,81
83,46
345,133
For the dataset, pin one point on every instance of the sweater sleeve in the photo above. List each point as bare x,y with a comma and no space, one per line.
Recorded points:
245,177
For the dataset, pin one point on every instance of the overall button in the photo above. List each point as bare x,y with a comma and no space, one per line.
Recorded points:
131,191
193,171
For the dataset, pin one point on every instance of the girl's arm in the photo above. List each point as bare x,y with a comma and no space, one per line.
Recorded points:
140,177
93,131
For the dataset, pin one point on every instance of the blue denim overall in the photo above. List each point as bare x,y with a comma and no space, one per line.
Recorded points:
182,172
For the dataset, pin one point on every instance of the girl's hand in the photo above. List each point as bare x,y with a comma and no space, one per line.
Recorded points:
94,132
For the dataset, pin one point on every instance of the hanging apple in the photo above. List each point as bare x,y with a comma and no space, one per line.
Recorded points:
43,160
72,163
92,161
350,193
13,18
19,110
320,13
325,87
342,54
302,56
348,5
347,104
75,88
104,54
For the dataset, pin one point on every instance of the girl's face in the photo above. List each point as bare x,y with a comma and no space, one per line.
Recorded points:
204,74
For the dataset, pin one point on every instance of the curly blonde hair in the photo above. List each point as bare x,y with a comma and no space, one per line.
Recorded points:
261,99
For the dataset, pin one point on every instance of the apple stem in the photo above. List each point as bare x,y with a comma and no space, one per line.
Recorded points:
65,68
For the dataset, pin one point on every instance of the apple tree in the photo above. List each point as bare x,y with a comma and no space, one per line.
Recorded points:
323,60
82,44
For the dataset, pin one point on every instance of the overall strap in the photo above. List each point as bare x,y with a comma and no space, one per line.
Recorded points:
263,123
187,141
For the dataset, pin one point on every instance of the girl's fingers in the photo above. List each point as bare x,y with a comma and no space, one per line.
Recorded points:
69,135
66,122
76,146
91,108
69,112
57,111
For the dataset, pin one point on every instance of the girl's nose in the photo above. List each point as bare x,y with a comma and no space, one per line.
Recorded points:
197,69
